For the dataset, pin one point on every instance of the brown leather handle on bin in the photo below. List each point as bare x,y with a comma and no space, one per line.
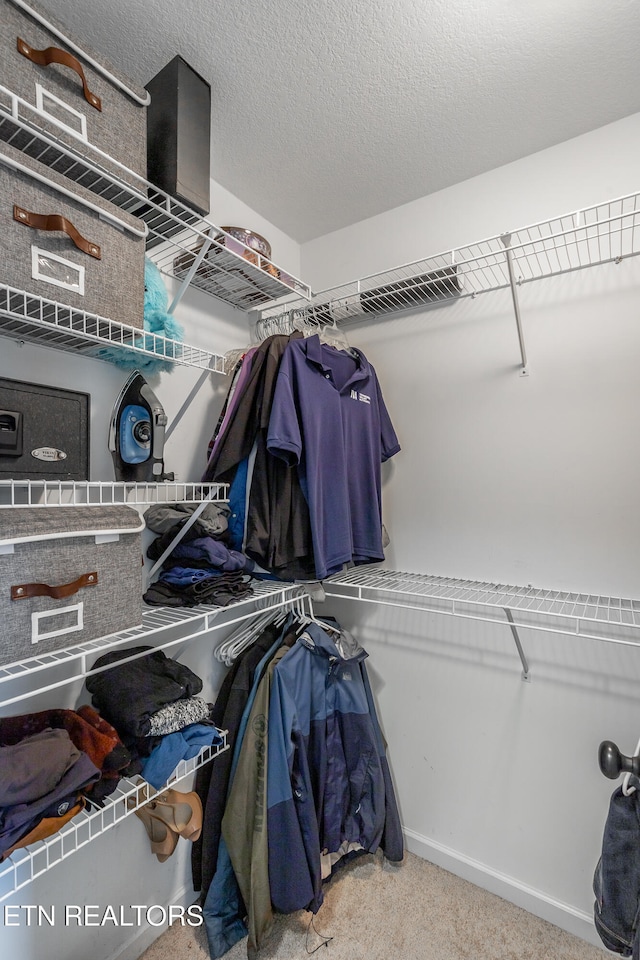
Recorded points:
55,55
54,221
23,590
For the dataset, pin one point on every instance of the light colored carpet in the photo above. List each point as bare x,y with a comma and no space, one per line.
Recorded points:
375,910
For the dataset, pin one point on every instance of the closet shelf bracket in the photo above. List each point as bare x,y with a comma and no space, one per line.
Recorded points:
506,241
178,537
204,249
523,659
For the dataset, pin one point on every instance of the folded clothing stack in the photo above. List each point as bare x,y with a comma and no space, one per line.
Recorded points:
153,703
201,568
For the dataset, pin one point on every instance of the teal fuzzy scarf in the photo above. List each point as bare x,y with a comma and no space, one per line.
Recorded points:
156,321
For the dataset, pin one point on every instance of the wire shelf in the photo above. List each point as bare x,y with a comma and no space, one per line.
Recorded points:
180,624
24,316
590,616
176,233
71,493
605,233
27,863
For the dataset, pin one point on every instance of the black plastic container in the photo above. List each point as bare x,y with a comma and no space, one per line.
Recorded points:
178,134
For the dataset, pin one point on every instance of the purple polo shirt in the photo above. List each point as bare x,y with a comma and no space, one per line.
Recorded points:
328,416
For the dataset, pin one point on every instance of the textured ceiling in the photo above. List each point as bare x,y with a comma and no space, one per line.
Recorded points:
325,112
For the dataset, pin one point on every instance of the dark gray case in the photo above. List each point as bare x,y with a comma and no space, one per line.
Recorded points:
44,432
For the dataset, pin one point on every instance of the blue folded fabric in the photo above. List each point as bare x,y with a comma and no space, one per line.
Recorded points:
214,552
174,747
185,576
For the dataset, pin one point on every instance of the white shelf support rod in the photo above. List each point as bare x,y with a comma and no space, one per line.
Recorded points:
204,376
525,666
178,537
192,269
176,300
506,240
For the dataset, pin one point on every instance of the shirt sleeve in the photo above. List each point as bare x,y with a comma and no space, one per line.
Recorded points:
284,436
389,444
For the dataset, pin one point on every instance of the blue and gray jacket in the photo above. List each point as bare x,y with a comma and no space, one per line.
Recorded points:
616,881
329,789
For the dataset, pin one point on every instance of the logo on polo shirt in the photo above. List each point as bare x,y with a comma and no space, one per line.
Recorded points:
362,397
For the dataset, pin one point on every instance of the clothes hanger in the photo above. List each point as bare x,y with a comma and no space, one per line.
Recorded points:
309,617
232,357
306,325
334,337
232,646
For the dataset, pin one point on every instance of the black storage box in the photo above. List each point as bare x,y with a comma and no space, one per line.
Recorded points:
44,432
178,134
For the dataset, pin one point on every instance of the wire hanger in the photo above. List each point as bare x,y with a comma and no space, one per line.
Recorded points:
233,645
309,617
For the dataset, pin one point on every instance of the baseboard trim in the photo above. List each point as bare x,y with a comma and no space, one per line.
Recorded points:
563,915
145,935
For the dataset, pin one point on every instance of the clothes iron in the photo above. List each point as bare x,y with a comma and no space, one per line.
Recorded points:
136,433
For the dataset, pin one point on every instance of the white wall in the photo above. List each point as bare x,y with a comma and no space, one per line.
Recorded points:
520,480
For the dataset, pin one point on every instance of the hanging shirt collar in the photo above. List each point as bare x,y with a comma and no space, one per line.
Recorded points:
313,349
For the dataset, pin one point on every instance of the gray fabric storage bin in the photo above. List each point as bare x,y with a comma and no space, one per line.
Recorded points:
48,263
118,129
90,556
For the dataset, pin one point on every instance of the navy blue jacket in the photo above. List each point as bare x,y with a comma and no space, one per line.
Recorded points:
616,882
329,790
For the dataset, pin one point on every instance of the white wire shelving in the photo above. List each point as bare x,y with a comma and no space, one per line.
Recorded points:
585,615
26,864
24,316
71,493
161,627
177,234
607,232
